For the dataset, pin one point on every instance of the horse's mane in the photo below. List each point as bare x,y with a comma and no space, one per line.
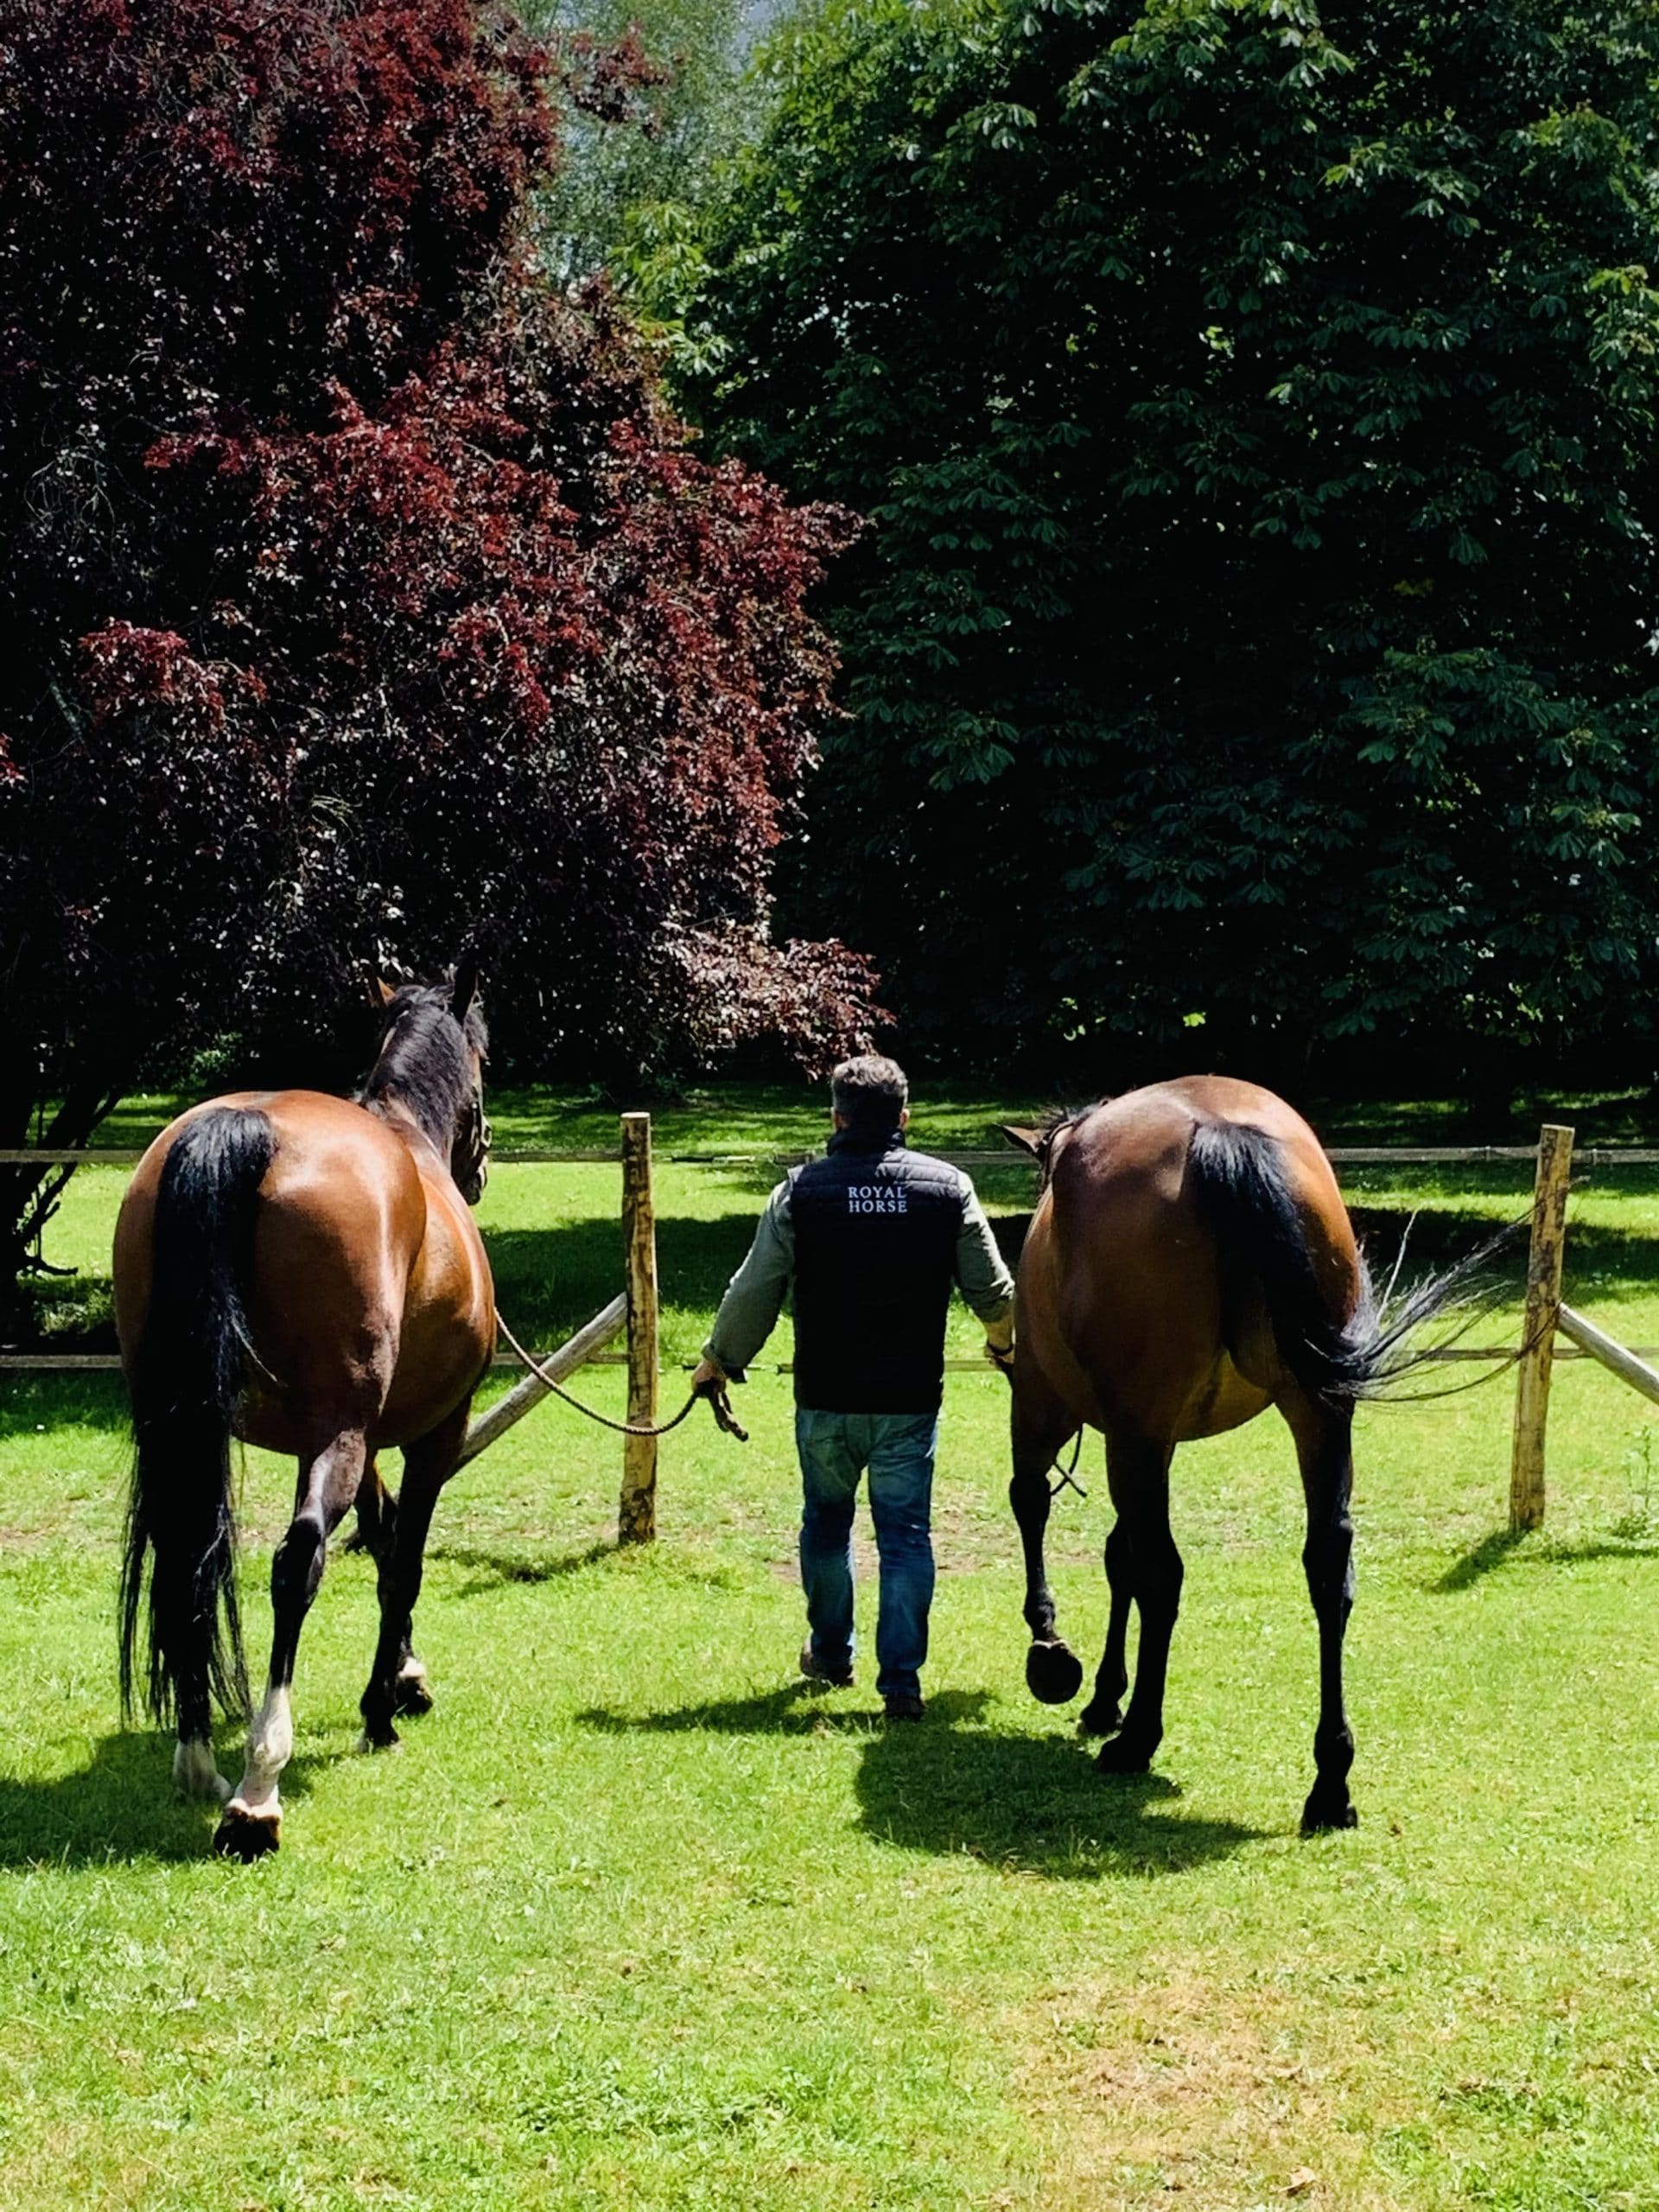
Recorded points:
1067,1117
423,1063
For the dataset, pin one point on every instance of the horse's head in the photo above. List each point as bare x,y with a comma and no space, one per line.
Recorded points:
433,1051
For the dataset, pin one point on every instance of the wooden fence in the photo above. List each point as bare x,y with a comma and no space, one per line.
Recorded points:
635,1311
1547,1316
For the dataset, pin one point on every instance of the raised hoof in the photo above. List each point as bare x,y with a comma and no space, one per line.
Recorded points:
1123,1755
411,1695
1326,1809
246,1835
1099,1719
1053,1672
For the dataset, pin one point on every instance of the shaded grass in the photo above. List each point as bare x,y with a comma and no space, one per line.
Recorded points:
637,1919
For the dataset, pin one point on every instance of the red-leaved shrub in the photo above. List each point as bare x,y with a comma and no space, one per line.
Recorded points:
365,599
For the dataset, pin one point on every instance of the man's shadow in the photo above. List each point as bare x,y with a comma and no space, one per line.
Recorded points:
1036,1804
120,1806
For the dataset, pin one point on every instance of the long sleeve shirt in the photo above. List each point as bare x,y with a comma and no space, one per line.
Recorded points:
749,1311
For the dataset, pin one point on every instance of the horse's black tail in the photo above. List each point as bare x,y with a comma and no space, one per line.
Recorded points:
187,1374
1237,1175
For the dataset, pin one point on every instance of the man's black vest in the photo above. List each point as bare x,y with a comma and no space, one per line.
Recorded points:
876,1228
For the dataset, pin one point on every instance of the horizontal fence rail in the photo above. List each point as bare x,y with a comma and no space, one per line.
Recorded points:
556,1366
108,1362
1341,1155
1628,1361
1585,1341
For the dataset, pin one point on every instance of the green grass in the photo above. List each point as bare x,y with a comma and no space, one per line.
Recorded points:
635,1920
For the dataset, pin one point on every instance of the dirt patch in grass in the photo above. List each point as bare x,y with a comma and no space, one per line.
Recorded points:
1186,2089
51,1525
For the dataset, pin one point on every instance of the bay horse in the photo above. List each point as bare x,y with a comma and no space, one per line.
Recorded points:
302,1272
1190,1263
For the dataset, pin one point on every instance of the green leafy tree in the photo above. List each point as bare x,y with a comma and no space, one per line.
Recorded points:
659,100
1253,403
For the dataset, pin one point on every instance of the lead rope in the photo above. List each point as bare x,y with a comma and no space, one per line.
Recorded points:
1003,1363
1068,1475
714,1392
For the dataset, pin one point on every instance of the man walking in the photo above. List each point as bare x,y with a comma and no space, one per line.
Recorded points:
871,1235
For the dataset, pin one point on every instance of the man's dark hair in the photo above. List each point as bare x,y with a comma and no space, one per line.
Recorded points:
870,1092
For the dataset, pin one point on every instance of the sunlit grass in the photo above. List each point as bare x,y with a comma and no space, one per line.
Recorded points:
635,1920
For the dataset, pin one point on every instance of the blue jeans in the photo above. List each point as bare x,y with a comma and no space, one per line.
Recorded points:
898,1449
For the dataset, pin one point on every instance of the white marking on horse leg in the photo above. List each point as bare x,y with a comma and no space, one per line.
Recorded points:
195,1770
271,1745
412,1670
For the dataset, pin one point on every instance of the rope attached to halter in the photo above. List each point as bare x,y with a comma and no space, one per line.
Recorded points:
1068,1475
714,1392
1003,1363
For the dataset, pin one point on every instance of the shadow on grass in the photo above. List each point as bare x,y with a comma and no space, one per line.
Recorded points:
496,1569
1033,1804
121,1805
499,1570
1504,1546
549,1281
31,1402
1478,1561
1439,1237
797,1709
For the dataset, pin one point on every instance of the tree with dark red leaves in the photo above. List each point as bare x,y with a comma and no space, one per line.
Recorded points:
363,599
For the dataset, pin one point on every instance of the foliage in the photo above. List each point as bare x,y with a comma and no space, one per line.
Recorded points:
631,168
1255,403
364,597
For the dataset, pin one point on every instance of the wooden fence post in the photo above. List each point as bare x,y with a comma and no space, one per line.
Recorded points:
636,1516
1543,1310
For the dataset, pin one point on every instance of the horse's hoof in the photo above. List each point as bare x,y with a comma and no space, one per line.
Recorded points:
411,1693
1053,1672
1123,1755
1328,1808
1100,1719
384,1738
247,1835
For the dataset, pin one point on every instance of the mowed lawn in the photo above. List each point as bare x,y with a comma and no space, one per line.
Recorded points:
636,1919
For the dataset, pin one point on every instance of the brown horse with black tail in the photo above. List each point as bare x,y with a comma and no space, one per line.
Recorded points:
302,1272
1189,1264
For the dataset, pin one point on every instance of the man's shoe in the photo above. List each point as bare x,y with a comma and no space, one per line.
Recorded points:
839,1678
905,1708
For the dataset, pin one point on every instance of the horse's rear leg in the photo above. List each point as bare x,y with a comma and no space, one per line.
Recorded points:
1137,1469
398,1680
1103,1714
252,1822
376,1534
377,1514
1325,1448
1040,1424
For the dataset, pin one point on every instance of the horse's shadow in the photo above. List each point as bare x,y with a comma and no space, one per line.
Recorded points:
120,1806
1032,1804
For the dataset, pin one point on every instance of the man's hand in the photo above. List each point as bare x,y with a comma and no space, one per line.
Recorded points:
999,1343
708,1371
